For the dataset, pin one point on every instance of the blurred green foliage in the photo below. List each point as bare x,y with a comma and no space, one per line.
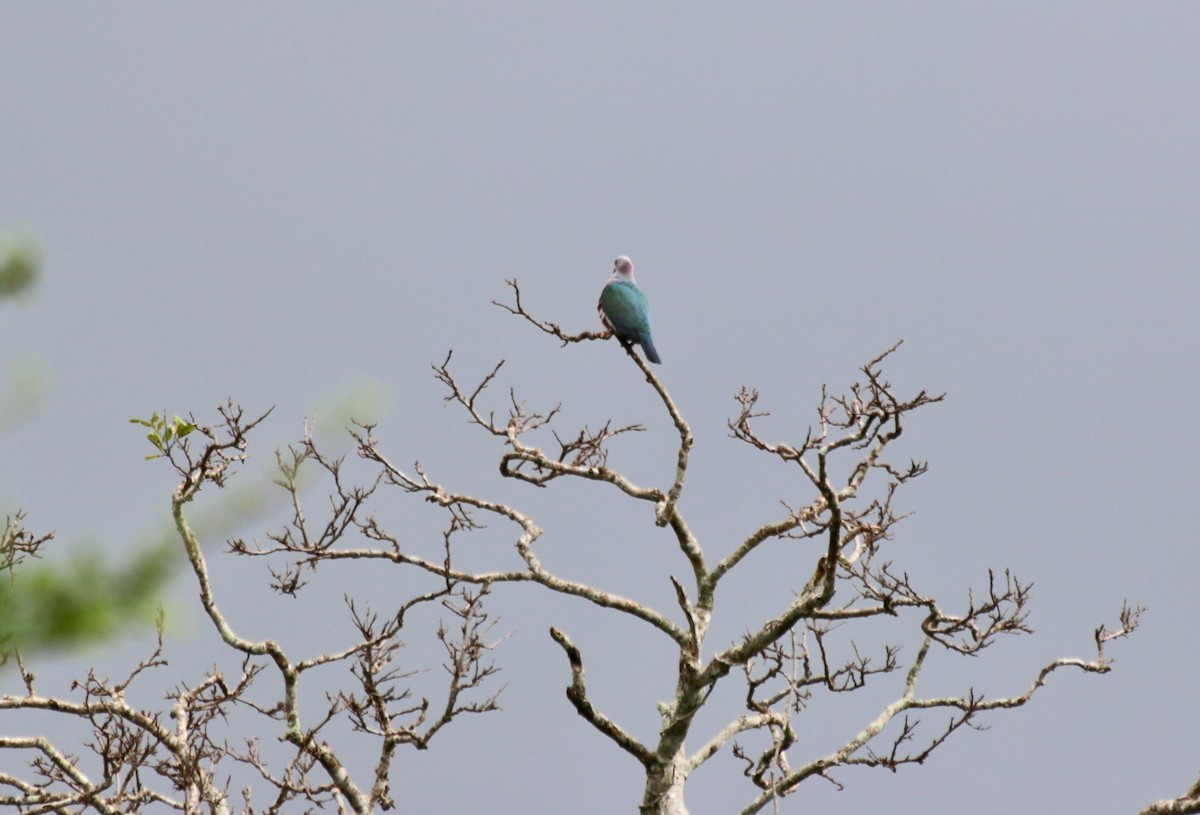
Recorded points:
361,401
80,600
19,264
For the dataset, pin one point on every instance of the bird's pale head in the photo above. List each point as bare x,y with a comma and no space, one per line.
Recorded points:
623,267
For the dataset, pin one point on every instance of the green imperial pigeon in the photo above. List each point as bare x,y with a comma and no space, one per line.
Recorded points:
624,310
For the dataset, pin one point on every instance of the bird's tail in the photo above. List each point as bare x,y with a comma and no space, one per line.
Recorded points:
648,347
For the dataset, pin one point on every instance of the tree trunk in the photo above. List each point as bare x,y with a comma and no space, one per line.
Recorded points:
664,788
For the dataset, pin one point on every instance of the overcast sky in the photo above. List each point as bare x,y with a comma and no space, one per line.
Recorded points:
285,203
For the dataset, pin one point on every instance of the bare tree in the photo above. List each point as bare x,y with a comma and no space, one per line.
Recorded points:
839,538
784,659
141,761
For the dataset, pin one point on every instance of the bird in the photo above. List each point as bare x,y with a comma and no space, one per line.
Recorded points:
624,310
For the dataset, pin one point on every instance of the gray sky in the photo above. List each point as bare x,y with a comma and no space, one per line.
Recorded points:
279,203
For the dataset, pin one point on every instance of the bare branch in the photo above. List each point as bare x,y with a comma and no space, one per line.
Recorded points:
577,693
968,708
1186,804
550,328
459,506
